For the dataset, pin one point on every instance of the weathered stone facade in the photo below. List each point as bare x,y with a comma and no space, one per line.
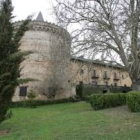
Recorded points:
51,66
48,64
93,72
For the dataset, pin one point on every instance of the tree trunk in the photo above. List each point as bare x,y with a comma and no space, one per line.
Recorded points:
136,85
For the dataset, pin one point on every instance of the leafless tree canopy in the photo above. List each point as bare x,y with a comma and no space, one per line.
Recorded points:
106,27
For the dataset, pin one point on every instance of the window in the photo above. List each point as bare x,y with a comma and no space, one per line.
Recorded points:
115,84
115,75
94,83
105,74
106,83
94,75
81,71
94,72
23,91
80,82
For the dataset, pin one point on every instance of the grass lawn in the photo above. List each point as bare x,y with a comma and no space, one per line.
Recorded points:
71,121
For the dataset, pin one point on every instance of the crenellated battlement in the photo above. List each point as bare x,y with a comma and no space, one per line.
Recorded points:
46,27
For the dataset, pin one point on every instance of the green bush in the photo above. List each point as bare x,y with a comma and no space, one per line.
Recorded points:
90,90
31,96
133,101
101,101
28,103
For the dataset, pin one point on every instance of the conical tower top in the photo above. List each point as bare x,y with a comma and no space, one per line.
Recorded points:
40,17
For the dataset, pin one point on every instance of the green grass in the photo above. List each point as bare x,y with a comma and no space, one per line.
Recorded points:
72,121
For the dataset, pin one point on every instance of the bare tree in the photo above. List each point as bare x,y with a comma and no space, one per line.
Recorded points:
107,28
57,68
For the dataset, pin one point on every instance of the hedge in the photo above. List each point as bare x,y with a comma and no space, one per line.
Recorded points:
34,103
101,101
88,90
133,101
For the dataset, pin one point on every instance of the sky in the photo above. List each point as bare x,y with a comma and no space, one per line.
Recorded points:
23,8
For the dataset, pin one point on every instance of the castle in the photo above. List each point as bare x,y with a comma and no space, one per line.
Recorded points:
54,72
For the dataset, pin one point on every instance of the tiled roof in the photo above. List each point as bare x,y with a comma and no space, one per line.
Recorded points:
98,62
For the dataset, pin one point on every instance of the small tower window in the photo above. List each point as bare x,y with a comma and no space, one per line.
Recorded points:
23,91
81,72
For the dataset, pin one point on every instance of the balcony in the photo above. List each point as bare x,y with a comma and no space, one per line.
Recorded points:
95,76
116,78
106,77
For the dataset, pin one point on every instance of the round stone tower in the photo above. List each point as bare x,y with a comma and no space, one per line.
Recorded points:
48,65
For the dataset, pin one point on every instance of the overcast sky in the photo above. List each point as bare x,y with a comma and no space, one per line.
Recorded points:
23,8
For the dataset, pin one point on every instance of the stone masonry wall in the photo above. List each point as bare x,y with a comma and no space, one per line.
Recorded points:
48,64
87,76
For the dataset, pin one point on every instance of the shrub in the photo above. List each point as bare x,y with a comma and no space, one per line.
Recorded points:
27,103
31,96
101,101
133,101
89,90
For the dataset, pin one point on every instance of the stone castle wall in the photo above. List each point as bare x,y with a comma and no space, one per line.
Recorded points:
48,64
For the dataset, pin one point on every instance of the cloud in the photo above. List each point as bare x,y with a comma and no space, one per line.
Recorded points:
24,8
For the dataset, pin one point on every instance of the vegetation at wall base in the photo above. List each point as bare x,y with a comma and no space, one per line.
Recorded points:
133,101
35,103
101,101
89,90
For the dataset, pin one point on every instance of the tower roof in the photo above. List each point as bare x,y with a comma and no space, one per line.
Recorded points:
40,17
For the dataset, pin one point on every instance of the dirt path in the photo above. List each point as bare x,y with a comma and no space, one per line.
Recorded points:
4,132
